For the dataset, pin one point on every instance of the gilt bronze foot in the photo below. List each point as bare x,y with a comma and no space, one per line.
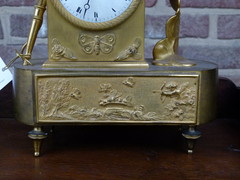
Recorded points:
37,135
191,135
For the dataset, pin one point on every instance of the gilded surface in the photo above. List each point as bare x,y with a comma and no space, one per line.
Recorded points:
181,99
131,51
97,44
165,52
120,99
113,97
130,82
98,48
59,51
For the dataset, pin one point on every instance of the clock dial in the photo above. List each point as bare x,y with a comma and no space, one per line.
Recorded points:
96,11
96,14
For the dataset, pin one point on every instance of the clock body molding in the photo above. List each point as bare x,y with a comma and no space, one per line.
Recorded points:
74,43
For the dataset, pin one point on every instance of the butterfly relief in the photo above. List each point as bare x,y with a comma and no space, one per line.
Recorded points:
97,44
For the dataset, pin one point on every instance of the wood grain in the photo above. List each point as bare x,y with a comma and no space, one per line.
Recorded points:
119,152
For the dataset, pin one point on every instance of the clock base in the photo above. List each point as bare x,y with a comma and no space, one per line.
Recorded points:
37,135
159,95
97,64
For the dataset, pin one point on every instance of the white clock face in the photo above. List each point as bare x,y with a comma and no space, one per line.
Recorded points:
96,11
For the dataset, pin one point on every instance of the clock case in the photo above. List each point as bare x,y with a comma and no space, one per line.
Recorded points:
74,46
171,91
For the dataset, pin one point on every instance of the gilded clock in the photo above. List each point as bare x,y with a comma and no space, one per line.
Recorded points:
108,33
99,35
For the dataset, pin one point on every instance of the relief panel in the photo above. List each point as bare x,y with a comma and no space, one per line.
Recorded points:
165,99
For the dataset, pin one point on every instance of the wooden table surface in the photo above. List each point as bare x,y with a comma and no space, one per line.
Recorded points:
120,152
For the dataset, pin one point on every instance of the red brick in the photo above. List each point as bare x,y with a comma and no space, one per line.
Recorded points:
191,26
226,57
17,2
194,26
155,26
150,3
8,52
229,26
20,26
148,49
209,3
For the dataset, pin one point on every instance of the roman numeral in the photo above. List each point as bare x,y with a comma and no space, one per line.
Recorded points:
95,16
79,10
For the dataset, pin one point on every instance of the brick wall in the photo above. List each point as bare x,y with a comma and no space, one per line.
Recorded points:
210,30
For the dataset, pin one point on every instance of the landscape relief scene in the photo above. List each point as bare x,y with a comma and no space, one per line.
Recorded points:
117,99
